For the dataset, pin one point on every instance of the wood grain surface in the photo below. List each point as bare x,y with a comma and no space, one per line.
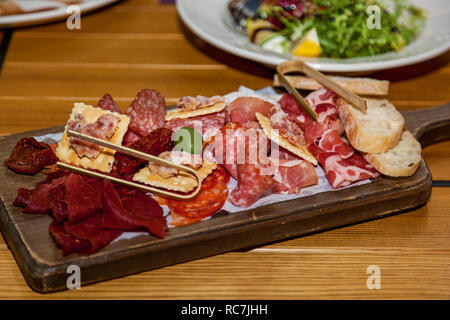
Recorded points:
140,43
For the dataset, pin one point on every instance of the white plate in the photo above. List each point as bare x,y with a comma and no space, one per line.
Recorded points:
28,19
209,19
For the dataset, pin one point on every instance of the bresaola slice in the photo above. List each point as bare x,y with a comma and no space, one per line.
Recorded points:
65,241
132,212
82,213
92,230
83,196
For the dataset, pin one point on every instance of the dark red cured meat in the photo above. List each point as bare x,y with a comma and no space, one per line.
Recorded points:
107,103
147,112
130,137
83,196
66,242
208,124
155,143
132,212
29,156
243,109
38,201
91,229
23,197
211,198
251,185
56,203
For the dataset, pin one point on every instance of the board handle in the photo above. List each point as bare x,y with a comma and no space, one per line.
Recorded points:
429,125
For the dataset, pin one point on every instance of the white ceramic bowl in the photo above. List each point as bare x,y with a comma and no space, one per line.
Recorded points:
209,19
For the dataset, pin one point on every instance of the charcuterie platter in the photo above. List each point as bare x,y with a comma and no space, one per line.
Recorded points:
323,176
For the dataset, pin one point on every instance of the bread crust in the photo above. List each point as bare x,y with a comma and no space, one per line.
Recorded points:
402,162
360,86
367,137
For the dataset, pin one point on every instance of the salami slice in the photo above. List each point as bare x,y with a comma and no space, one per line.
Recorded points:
251,185
211,198
147,112
107,103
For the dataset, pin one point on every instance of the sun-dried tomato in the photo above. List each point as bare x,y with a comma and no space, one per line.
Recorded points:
30,156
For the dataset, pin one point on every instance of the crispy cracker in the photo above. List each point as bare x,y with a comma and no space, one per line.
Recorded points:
180,182
105,160
184,114
273,135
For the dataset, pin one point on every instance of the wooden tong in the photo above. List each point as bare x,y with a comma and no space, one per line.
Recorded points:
298,65
137,154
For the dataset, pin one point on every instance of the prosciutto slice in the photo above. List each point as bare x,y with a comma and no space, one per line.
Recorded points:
341,163
293,175
243,109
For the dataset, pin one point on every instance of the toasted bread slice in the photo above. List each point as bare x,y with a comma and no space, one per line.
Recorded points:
399,161
361,86
375,131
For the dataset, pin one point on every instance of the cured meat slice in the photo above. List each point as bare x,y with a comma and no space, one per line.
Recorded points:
280,120
193,103
208,124
56,203
328,140
147,112
243,109
343,172
251,185
23,197
235,144
130,137
66,242
211,198
322,95
103,128
37,202
107,103
292,175
29,156
132,212
83,196
180,221
155,143
91,229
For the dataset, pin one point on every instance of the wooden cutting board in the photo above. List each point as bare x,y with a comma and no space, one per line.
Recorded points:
45,270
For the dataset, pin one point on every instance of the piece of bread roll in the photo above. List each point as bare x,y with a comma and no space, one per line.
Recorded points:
360,86
399,161
375,131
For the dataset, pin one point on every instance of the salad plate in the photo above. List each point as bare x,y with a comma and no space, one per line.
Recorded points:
20,13
211,21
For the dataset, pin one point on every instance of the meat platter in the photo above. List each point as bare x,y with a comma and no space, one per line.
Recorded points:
238,206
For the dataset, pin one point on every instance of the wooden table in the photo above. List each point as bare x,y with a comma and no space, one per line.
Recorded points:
141,44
